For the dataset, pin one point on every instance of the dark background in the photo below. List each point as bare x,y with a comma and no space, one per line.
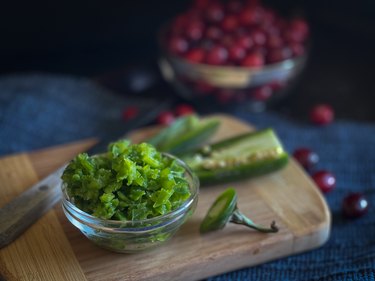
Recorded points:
93,38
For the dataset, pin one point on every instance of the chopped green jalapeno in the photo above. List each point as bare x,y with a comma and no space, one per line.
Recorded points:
225,210
244,156
129,182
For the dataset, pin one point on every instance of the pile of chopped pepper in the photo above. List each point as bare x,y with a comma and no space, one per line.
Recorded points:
129,182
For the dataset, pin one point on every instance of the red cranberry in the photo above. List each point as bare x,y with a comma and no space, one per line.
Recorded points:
306,157
177,45
249,17
297,49
253,60
194,14
325,180
262,93
234,6
278,54
227,40
236,53
229,23
201,4
269,16
321,114
300,29
213,33
184,109
217,56
258,36
245,41
130,112
195,55
272,31
179,23
194,30
261,50
215,13
274,41
354,205
165,118
204,88
281,24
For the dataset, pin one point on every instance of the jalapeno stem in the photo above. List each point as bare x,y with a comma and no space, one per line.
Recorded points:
239,218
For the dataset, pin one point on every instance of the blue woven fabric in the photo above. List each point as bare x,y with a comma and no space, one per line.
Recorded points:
32,109
37,111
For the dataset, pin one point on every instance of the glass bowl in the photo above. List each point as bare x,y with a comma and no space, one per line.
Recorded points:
133,236
228,85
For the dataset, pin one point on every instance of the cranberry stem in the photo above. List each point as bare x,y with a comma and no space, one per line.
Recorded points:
239,218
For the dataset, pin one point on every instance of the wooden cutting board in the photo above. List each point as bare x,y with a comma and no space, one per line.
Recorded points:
52,249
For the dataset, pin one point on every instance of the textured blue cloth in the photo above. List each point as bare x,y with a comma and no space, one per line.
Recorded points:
32,109
37,111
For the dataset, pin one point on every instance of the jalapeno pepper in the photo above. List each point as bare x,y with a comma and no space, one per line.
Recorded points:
225,210
244,156
184,134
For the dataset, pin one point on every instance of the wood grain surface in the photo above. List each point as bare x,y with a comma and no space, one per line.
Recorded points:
53,249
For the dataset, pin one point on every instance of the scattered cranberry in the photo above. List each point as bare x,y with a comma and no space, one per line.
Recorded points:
306,157
325,180
178,45
217,56
130,112
184,109
195,55
354,205
321,114
165,118
253,60
262,93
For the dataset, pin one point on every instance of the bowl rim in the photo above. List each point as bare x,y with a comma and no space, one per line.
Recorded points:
124,225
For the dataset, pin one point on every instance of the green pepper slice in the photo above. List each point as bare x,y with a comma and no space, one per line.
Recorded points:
220,211
244,156
184,134
225,210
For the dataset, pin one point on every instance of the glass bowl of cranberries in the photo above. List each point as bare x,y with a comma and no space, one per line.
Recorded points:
232,51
